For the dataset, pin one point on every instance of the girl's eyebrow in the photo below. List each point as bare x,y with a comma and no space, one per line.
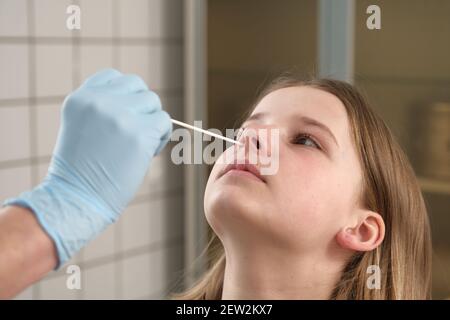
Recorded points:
304,119
315,123
256,116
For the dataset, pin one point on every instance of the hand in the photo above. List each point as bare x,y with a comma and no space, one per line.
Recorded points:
112,126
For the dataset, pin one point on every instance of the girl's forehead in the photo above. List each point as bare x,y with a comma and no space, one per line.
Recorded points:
304,101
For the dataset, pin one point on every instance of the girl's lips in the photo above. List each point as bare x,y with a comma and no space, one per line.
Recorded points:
244,169
242,173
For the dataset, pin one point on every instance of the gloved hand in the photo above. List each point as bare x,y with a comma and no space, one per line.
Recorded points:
111,128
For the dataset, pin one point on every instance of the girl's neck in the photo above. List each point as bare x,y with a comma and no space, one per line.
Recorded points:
270,274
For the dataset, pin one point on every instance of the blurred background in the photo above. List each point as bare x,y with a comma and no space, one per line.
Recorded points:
207,59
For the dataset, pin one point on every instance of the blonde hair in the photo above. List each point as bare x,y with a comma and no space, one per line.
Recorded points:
389,188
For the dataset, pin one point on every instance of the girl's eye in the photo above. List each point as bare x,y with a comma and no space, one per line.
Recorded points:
306,140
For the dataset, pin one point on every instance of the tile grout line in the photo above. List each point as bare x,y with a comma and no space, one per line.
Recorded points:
118,265
21,102
31,103
149,71
126,254
76,71
99,41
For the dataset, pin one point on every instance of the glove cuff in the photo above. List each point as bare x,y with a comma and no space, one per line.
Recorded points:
65,217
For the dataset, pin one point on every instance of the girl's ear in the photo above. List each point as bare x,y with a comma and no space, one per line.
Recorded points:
366,235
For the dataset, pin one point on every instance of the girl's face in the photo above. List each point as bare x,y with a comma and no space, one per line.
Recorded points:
314,192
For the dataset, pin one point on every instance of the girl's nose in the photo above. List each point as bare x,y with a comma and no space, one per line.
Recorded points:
253,138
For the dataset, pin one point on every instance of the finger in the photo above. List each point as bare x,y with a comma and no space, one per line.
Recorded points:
158,127
129,83
142,102
102,77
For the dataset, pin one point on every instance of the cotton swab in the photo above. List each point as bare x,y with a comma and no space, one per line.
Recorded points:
188,126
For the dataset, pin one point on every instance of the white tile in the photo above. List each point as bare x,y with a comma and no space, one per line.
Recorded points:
174,264
173,217
156,231
136,277
101,246
50,18
173,104
14,181
14,71
135,225
155,176
99,282
54,285
163,173
48,120
26,294
171,66
166,267
96,18
151,222
53,70
158,271
42,170
143,61
172,18
151,18
14,133
95,58
137,20
157,296
13,18
161,66
173,178
56,288
62,271
76,259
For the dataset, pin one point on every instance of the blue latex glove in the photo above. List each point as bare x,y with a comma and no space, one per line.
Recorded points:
111,128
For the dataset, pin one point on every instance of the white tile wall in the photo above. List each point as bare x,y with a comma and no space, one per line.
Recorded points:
27,294
56,288
94,58
97,20
14,181
50,18
173,217
14,71
144,61
171,27
159,271
48,120
42,170
137,19
53,70
136,282
150,18
99,282
102,246
14,122
13,18
138,225
171,66
154,178
135,257
173,105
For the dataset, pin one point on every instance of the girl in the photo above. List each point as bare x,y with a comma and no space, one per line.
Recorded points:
343,217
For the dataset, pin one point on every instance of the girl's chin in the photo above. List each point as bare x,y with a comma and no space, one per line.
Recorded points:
232,203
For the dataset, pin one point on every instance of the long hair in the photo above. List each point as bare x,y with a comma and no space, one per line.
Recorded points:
390,188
